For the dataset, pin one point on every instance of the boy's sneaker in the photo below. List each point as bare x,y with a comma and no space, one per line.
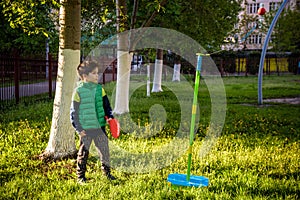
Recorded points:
81,180
106,172
110,177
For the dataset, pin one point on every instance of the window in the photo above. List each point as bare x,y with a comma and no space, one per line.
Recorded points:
255,39
252,8
274,5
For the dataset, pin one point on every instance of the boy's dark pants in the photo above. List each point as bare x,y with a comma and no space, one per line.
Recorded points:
101,142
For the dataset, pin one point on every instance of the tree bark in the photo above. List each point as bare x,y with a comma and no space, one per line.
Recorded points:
62,138
123,76
123,61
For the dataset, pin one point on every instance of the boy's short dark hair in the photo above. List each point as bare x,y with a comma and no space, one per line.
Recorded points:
86,67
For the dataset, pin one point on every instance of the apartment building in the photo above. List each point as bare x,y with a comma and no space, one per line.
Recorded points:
250,35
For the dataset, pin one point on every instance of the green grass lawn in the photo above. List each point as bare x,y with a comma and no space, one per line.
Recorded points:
256,156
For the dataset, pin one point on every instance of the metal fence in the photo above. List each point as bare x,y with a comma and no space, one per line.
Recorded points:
21,78
24,77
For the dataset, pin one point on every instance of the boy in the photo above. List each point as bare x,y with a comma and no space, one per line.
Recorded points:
89,107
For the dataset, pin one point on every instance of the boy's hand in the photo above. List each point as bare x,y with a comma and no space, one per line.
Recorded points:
108,119
82,133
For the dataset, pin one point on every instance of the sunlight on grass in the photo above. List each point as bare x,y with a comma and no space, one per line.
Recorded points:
256,156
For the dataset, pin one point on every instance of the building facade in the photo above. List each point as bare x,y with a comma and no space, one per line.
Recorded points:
250,34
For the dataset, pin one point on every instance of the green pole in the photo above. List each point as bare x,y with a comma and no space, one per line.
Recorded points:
194,111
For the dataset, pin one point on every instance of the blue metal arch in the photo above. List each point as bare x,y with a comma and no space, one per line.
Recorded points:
264,50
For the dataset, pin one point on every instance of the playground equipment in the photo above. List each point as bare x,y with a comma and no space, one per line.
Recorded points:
264,50
261,11
249,33
188,179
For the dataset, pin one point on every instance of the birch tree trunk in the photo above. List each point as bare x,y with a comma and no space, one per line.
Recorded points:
176,72
158,71
148,80
123,77
123,61
62,138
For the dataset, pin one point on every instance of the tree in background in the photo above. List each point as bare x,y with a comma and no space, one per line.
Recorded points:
26,25
287,32
207,22
97,24
158,68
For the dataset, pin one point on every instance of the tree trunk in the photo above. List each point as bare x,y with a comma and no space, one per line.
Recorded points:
134,12
123,77
62,139
158,71
177,66
148,80
123,61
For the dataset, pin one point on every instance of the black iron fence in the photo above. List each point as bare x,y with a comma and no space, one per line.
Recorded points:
22,77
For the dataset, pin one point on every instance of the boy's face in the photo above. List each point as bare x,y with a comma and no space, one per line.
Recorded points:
92,76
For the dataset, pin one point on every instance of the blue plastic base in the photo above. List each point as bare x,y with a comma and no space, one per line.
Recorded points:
195,181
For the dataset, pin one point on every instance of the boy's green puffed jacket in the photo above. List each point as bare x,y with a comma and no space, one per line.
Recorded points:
91,112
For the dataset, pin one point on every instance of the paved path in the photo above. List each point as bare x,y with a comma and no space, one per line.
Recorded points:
295,100
7,93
